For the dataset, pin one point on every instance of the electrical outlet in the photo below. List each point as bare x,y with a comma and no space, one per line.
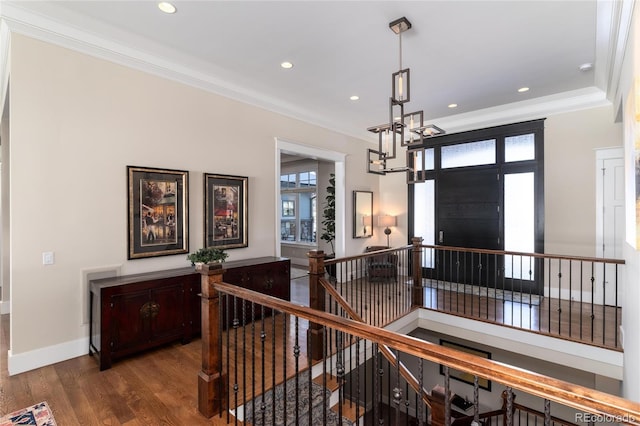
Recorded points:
48,258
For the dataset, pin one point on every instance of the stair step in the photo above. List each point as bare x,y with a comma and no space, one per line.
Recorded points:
349,409
331,382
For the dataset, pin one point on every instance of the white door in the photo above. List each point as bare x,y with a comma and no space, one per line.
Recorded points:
609,220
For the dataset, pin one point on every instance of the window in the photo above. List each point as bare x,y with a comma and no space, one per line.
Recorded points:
298,211
469,154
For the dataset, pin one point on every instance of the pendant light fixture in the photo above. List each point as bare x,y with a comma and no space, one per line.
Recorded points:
409,129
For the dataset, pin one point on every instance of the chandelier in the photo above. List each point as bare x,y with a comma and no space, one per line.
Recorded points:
409,129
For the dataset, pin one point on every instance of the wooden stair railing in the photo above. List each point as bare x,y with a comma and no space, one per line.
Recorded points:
384,350
550,389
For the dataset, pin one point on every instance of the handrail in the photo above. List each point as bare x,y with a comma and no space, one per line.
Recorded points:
384,349
526,254
572,395
365,255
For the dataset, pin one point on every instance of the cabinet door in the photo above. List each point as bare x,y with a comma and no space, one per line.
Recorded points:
127,329
282,280
193,305
167,316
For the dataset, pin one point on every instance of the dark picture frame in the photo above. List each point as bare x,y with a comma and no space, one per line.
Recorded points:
461,375
225,211
158,205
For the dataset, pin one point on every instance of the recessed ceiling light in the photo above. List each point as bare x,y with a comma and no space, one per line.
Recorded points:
166,7
523,89
286,65
354,97
586,67
452,105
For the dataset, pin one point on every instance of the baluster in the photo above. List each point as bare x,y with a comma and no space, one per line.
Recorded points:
547,412
509,414
447,399
284,357
273,366
253,361
397,392
263,338
420,404
376,382
340,373
615,312
569,302
296,359
234,324
550,307
476,401
560,299
358,377
593,288
581,293
604,303
406,402
310,358
244,354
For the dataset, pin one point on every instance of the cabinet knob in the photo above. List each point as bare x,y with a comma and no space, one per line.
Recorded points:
149,309
268,283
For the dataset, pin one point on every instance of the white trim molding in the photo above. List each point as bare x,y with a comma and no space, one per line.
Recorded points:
596,360
31,360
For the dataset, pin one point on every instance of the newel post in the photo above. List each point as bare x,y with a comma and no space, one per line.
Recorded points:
416,261
211,381
316,301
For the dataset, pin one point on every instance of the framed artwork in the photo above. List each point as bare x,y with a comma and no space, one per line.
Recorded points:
225,211
461,375
158,217
362,214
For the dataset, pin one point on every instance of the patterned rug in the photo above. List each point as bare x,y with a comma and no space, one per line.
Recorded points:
294,415
37,415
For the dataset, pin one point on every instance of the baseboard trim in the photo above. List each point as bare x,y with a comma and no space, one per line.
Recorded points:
31,360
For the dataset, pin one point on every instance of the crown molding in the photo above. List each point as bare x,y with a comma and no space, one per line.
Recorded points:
25,22
525,110
16,19
5,42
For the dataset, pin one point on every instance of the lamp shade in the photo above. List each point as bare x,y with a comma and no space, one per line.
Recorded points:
386,220
367,220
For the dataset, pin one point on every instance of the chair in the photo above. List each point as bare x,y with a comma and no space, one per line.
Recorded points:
382,267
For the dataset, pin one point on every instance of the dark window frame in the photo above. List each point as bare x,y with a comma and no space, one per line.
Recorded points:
499,133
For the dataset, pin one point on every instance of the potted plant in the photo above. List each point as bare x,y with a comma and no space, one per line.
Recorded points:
207,255
329,214
329,221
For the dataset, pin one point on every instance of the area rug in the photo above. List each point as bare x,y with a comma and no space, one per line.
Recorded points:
38,415
263,405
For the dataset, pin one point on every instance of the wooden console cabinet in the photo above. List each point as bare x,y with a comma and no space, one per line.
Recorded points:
137,312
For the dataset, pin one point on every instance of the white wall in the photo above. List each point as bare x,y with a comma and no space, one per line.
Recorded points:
76,123
570,158
570,140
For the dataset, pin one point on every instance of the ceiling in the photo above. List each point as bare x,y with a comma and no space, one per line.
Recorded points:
476,54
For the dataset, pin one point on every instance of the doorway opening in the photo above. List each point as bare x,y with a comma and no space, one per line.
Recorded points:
291,217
